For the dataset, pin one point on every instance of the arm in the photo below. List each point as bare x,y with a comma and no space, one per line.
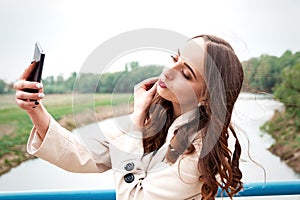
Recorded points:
31,102
64,149
48,140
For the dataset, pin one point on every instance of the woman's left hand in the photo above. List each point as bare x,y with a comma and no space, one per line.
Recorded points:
143,95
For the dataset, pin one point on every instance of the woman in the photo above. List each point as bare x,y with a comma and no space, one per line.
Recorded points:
175,145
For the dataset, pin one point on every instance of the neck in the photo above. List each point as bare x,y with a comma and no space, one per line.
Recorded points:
179,109
176,110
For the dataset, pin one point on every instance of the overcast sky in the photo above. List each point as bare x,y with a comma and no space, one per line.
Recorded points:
70,30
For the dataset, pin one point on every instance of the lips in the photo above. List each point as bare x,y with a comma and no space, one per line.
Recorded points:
162,84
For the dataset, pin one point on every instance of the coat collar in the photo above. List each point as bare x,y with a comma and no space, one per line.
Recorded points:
180,121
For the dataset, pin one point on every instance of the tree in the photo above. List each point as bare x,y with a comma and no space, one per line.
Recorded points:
264,73
131,66
289,90
2,86
70,82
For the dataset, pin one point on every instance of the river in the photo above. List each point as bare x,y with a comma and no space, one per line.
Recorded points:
250,112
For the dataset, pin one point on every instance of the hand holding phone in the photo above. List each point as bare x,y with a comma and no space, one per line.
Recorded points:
36,72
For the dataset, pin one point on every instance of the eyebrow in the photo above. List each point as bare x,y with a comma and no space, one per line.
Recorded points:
189,67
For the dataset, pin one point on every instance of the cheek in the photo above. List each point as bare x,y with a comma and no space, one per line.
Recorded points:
186,96
187,93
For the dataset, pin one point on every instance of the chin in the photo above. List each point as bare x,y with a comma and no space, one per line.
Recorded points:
165,94
161,92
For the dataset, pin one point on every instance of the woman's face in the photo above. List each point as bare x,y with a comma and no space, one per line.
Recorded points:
182,82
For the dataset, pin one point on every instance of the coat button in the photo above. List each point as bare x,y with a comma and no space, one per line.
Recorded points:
129,178
129,166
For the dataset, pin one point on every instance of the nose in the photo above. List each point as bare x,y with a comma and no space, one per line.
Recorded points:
169,73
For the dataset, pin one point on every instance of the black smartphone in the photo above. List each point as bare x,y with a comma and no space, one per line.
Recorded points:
36,74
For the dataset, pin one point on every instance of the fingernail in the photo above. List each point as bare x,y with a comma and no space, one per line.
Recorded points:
39,85
36,103
41,95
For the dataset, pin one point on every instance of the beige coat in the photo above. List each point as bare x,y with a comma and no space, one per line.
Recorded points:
109,145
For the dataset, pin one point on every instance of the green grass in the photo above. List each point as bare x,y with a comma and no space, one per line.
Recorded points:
15,125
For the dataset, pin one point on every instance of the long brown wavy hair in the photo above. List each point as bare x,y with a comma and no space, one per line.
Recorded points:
218,165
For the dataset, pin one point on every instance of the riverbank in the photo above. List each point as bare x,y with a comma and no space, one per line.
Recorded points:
287,139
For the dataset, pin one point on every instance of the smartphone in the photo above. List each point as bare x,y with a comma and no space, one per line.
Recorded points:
36,74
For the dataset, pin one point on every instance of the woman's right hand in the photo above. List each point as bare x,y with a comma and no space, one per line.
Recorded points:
143,95
26,100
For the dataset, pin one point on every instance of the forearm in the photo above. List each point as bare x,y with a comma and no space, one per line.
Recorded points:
137,121
40,119
67,151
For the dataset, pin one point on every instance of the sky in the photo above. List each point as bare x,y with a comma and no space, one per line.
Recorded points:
69,30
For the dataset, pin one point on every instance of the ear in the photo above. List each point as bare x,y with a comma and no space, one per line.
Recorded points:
203,102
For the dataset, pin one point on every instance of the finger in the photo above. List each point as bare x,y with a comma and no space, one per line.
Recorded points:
147,84
150,82
28,71
152,90
40,88
24,104
26,95
22,84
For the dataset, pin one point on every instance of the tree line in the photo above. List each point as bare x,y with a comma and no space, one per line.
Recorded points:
266,73
270,74
278,76
121,81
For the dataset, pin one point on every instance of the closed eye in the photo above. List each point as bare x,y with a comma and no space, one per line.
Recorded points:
191,70
185,75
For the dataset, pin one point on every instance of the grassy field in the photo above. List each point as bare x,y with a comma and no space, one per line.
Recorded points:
15,125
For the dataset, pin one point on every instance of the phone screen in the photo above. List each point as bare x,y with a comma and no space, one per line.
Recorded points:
36,74
39,57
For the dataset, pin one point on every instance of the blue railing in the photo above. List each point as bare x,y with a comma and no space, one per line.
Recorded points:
250,189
